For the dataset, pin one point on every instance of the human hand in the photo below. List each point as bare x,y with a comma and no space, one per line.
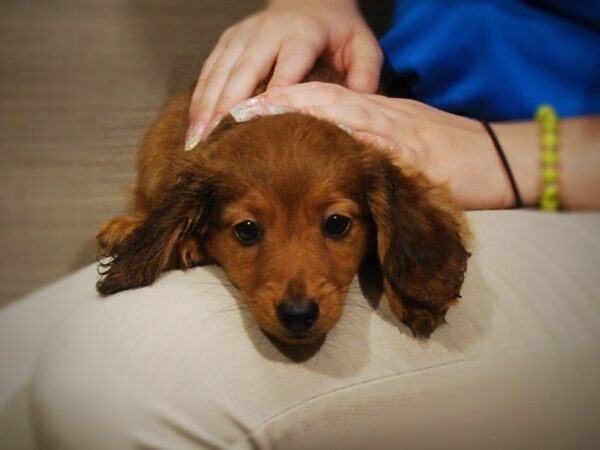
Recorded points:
287,38
449,149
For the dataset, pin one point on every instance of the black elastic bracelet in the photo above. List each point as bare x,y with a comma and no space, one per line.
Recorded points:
511,178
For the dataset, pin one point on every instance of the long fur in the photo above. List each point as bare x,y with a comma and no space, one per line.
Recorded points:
287,170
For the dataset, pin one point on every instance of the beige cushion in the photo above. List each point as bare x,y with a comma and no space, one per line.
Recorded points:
182,363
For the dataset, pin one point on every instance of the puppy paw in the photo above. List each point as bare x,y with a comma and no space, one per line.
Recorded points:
115,231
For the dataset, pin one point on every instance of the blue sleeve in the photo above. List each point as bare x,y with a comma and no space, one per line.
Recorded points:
498,60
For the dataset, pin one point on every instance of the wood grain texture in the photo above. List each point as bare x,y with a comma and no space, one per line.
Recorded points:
80,81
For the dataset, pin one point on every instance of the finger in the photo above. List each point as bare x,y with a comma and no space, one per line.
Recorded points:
364,63
227,51
207,68
331,102
314,93
374,140
252,67
360,118
297,56
375,123
208,65
292,98
203,104
375,129
256,106
339,102
293,64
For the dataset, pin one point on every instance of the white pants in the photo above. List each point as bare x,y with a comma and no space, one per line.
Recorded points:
182,365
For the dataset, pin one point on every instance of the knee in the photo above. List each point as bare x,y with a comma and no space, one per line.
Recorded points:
78,398
139,372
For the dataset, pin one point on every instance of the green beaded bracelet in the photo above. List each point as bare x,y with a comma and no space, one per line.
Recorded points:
548,120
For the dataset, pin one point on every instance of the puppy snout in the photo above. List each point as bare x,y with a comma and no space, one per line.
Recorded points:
298,315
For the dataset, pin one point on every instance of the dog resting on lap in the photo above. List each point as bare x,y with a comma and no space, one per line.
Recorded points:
288,205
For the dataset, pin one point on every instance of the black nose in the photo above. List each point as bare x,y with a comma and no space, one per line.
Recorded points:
298,315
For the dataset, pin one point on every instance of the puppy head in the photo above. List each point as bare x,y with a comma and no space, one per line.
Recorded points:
286,205
293,231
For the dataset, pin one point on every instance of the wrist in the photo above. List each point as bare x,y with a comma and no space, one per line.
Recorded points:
520,141
487,184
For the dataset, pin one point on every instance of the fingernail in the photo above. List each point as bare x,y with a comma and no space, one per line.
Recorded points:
256,106
194,136
246,110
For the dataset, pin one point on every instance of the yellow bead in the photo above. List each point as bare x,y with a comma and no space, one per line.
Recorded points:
549,174
547,118
549,203
549,158
549,140
551,190
549,125
543,112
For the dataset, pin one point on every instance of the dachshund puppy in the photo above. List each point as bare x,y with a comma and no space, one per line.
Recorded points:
288,205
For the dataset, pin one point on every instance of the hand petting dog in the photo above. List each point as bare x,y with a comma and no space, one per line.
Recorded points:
284,40
449,149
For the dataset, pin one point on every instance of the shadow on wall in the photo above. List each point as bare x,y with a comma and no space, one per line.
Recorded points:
170,39
178,35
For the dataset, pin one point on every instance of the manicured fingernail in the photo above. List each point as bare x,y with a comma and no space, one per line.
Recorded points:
194,136
256,106
246,110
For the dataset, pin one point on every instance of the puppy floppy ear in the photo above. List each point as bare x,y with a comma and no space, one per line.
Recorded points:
183,213
419,245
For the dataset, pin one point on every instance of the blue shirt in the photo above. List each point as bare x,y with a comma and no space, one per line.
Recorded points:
499,60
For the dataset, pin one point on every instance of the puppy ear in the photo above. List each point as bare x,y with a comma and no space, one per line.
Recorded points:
181,215
419,246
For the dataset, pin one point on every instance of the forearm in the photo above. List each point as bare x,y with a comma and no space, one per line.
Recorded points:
579,165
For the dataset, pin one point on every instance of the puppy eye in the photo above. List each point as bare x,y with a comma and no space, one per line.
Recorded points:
247,232
336,225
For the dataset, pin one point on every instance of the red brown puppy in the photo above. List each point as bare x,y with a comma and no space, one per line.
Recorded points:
288,205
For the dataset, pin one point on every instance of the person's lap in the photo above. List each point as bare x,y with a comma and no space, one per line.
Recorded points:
182,364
